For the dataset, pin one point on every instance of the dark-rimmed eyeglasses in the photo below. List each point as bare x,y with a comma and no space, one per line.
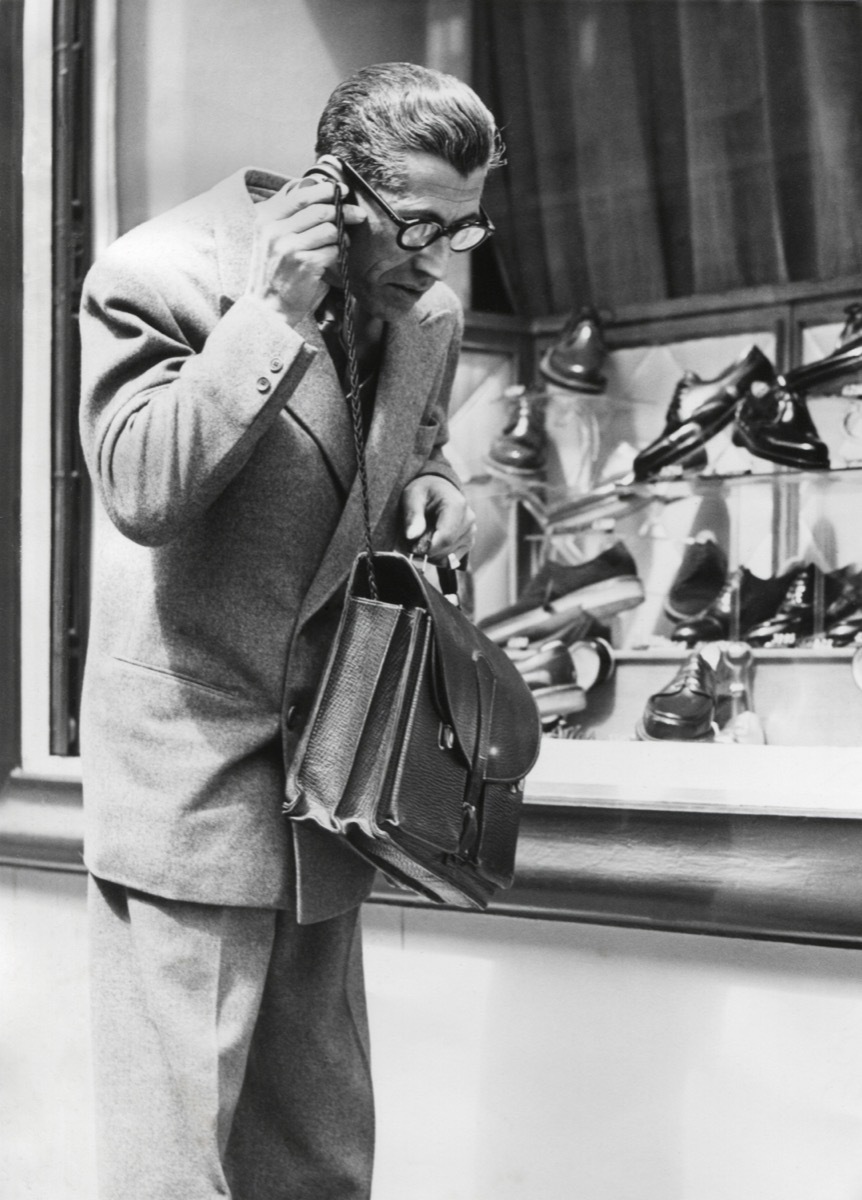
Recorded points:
415,233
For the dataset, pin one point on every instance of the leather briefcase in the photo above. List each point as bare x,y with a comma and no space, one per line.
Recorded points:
419,739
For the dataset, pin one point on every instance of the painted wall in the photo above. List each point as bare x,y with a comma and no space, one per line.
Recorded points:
513,1059
208,86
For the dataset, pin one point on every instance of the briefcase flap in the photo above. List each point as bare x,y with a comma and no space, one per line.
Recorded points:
515,731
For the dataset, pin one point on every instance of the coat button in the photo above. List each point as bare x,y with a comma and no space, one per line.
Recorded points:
263,385
293,717
276,365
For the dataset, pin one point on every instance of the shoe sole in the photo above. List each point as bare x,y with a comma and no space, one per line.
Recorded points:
603,599
644,736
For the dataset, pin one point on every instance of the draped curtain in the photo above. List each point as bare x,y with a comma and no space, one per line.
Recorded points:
669,148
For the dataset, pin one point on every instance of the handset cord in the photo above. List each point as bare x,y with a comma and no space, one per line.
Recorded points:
353,388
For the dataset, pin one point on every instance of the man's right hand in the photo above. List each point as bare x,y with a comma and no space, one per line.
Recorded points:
295,256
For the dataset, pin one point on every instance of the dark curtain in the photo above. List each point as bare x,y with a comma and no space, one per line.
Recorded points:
663,148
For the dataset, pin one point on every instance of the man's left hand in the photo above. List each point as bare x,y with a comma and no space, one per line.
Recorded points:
432,503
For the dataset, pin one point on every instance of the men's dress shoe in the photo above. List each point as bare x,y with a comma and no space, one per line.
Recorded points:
776,425
603,586
757,599
582,627
699,580
851,332
793,620
521,449
846,359
575,359
698,410
685,709
845,630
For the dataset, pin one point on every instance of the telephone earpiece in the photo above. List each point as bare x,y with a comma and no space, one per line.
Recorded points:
328,167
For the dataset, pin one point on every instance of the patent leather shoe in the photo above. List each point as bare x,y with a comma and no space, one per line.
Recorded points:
685,709
698,410
757,599
793,620
699,579
851,331
576,358
775,424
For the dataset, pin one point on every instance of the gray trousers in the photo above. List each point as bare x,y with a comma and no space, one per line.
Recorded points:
230,1050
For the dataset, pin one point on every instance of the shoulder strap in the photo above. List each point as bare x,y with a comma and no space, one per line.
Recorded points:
353,397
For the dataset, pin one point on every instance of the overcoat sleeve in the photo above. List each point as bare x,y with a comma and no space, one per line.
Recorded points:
175,395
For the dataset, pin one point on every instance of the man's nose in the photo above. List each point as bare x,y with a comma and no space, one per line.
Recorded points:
433,260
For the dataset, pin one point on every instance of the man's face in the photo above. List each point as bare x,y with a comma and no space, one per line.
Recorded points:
386,280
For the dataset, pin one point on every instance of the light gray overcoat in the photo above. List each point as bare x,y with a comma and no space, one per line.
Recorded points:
221,450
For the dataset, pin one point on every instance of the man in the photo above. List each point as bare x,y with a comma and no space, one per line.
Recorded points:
230,1031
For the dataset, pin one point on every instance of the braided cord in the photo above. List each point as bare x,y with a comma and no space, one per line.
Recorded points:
353,389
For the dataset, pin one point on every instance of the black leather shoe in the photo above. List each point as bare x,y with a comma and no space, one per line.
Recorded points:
685,709
699,580
576,358
777,426
845,360
851,333
793,620
758,599
698,410
521,449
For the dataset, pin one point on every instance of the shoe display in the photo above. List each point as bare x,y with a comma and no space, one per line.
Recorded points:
603,586
698,410
699,580
522,447
576,358
775,424
793,620
757,598
685,709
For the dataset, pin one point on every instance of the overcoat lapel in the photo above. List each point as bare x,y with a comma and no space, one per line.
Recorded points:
408,358
409,361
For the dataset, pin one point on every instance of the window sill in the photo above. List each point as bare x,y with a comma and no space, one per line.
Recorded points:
644,861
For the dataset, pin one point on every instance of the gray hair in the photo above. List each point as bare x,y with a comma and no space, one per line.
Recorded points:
386,111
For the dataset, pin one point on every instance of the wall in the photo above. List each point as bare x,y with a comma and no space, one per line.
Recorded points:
513,1059
208,86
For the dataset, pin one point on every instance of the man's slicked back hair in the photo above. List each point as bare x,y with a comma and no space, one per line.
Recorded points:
388,110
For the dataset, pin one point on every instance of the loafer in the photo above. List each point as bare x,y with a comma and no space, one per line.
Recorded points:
757,599
547,666
698,410
603,586
576,358
775,424
685,709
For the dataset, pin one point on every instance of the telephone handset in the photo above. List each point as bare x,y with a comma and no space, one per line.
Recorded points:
328,167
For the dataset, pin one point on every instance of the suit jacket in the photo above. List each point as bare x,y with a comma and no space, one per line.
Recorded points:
221,450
